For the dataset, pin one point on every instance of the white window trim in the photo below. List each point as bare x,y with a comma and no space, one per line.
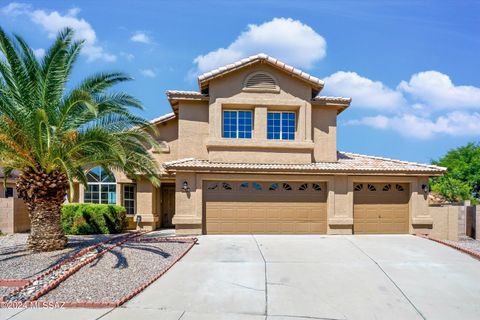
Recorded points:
281,127
99,184
238,119
134,196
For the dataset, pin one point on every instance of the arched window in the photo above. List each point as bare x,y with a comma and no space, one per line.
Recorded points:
101,187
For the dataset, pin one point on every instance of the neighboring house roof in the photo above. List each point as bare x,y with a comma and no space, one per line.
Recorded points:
347,162
203,79
163,118
13,176
334,100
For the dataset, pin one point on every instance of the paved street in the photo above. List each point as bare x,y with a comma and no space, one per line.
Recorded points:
303,277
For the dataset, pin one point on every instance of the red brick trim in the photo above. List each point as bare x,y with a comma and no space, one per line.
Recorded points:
78,266
13,282
75,256
119,302
474,254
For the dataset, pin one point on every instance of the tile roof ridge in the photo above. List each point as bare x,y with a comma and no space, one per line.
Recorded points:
162,118
178,161
260,56
393,160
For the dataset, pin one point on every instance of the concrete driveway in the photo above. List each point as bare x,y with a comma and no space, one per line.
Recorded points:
309,277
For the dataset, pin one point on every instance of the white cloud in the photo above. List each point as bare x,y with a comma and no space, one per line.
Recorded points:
286,39
54,21
39,53
127,56
15,8
141,37
363,91
437,90
456,123
150,73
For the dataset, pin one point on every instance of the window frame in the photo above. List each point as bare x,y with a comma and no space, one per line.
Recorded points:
133,200
6,193
237,125
99,185
281,132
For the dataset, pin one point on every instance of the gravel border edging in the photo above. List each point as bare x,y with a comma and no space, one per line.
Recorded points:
137,290
73,270
472,253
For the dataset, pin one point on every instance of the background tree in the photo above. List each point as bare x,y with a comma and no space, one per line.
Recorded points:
51,135
462,180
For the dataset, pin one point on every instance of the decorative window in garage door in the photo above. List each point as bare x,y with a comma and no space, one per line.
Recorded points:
358,187
380,188
265,187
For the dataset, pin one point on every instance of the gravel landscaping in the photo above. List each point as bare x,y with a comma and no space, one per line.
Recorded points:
467,243
118,272
17,262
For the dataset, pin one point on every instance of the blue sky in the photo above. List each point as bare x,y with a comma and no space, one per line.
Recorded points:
412,67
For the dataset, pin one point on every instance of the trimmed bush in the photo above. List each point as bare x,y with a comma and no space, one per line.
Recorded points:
90,218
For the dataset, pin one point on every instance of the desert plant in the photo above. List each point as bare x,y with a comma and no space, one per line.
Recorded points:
89,218
52,134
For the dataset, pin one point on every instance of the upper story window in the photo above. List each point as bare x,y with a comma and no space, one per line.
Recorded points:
281,125
237,124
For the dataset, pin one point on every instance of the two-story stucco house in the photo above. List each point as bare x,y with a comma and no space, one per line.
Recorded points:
254,151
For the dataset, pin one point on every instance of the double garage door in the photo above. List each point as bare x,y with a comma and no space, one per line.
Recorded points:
380,208
250,207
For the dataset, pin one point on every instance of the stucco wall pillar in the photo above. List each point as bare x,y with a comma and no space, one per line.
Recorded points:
260,123
341,221
146,204
420,214
188,205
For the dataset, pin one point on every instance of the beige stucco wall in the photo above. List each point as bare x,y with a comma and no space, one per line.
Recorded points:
294,95
324,127
147,204
167,134
192,130
13,215
445,222
190,206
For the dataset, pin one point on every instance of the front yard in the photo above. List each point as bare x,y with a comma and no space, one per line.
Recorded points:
101,270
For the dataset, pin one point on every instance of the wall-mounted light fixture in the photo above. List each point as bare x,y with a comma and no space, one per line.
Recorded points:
138,219
425,189
185,187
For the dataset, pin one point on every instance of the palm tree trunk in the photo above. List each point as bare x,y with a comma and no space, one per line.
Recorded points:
46,233
44,194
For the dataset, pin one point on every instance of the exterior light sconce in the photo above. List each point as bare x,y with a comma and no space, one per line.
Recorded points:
425,189
185,187
138,219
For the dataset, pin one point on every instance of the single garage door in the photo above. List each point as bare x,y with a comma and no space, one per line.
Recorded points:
380,208
249,207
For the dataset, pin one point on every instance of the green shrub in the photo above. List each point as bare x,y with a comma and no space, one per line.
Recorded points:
89,218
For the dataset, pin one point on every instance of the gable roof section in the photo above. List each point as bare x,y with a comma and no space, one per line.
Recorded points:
203,79
174,96
163,118
347,163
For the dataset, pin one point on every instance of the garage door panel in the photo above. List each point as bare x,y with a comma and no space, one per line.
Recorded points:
269,213
381,208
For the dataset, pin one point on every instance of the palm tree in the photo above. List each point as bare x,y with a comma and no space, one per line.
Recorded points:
51,134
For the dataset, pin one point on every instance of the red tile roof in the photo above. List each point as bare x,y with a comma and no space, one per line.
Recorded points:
347,163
